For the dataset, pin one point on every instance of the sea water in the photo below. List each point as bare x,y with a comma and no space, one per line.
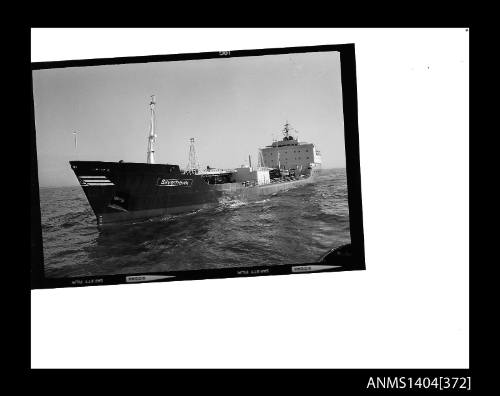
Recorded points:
289,227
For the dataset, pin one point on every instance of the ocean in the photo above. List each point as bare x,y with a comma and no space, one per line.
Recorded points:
290,227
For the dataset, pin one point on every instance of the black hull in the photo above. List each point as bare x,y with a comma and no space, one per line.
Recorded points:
134,192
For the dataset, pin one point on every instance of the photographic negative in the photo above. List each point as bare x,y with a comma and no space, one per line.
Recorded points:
194,166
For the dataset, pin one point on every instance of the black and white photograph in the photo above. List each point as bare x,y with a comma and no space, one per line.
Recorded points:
231,158
191,164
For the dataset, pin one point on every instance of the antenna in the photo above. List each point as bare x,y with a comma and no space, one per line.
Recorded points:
286,129
152,134
193,164
75,138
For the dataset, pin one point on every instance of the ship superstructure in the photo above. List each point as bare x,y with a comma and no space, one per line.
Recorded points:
289,154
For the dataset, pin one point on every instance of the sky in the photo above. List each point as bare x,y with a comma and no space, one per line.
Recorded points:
231,106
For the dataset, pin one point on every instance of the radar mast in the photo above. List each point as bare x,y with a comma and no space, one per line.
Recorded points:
286,130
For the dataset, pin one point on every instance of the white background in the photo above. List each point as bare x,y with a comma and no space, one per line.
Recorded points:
409,309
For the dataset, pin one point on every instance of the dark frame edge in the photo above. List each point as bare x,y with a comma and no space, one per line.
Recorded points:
351,143
186,56
36,242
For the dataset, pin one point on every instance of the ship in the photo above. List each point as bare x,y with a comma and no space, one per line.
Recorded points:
128,192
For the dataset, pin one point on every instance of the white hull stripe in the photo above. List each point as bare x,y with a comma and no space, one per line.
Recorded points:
95,181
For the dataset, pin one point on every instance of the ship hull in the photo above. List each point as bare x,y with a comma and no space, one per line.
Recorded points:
133,192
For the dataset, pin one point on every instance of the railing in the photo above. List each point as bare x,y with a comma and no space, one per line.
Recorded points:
213,171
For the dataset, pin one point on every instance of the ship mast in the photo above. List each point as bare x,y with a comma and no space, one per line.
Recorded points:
76,143
152,134
286,129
